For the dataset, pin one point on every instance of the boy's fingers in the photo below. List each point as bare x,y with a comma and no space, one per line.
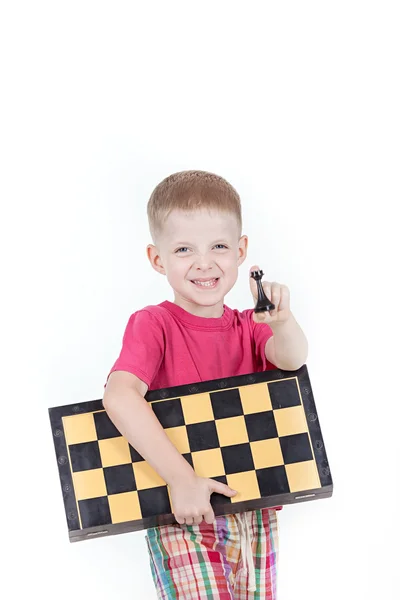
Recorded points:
267,290
275,296
285,298
254,268
209,516
275,293
221,488
179,520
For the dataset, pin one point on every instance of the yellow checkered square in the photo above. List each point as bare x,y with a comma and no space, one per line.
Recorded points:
146,477
231,431
124,507
255,398
290,420
79,428
208,463
266,453
179,438
245,484
89,484
303,476
197,408
114,451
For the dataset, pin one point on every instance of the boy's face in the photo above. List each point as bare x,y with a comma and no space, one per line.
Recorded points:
200,253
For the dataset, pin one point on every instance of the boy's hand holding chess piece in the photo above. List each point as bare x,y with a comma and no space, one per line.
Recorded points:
272,299
288,347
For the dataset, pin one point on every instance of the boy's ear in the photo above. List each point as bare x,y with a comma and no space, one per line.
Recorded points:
153,254
242,250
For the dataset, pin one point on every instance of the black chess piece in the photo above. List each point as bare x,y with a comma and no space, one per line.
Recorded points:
263,303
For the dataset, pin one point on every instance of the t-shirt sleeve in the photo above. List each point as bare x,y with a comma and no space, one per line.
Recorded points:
262,332
142,347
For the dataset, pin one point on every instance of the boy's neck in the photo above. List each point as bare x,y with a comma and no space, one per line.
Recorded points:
209,312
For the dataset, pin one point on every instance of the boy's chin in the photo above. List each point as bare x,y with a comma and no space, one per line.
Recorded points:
209,299
209,303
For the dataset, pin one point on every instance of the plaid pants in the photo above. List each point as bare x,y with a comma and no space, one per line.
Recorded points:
210,561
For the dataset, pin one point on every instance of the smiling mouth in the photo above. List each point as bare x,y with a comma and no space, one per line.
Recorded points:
205,283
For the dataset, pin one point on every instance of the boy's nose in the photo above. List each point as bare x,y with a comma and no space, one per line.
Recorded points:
203,264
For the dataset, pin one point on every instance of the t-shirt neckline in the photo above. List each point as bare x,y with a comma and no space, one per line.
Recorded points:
205,323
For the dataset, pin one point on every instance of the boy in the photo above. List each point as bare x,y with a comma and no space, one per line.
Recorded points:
195,223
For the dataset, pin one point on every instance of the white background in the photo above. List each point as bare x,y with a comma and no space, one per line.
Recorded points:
295,103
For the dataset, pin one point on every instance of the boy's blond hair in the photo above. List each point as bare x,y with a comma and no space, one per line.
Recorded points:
189,191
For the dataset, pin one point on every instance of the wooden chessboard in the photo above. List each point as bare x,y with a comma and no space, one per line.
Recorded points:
259,433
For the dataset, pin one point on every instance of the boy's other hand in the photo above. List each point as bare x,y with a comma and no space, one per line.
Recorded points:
278,294
191,499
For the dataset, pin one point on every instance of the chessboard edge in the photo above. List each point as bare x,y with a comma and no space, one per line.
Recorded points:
271,502
64,471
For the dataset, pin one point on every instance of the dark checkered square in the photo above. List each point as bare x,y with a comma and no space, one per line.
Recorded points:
94,512
105,428
237,458
296,448
189,458
272,481
202,436
284,393
216,499
135,456
154,501
85,456
226,403
119,479
169,413
261,426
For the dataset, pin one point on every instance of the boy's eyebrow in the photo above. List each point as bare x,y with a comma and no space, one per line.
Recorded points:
219,240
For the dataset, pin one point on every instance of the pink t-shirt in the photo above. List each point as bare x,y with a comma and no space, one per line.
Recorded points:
166,346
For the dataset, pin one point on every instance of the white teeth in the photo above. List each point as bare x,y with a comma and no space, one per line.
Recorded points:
205,283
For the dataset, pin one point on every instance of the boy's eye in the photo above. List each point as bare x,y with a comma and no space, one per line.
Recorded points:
184,249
